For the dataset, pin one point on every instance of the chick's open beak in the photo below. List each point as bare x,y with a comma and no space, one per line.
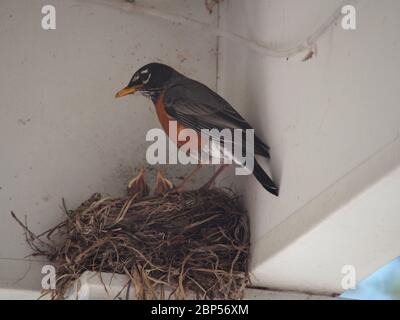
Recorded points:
127,90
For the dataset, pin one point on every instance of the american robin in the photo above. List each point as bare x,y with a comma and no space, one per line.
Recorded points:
193,105
163,185
138,187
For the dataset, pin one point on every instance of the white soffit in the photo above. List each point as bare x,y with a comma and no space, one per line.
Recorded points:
355,222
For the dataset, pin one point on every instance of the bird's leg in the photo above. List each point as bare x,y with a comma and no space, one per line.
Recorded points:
188,177
214,176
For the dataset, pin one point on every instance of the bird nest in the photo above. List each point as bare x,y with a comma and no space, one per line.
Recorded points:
171,245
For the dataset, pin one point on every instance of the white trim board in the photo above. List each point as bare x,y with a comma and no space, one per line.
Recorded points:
92,288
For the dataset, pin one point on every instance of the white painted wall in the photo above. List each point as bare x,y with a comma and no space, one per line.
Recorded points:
322,118
62,133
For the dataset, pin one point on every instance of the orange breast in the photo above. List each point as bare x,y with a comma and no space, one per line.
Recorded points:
164,119
163,116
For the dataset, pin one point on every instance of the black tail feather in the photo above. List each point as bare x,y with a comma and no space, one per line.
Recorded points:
261,148
264,179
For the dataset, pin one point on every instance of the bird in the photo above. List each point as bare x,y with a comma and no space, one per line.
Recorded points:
195,106
163,185
138,187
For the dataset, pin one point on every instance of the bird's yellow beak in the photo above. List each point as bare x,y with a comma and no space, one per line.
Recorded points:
127,90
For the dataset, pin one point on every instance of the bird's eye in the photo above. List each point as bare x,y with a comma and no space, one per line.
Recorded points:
146,78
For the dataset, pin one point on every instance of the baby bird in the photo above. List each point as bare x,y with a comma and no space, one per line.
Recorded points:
138,187
163,185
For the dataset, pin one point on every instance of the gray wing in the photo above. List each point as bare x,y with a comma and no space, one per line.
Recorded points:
198,107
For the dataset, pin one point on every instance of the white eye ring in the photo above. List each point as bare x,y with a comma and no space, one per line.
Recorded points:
135,78
147,80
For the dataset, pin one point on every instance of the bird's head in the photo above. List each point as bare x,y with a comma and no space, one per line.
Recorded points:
149,79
